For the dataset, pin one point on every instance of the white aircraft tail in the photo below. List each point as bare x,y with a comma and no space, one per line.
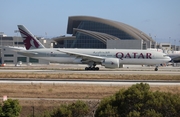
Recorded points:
29,40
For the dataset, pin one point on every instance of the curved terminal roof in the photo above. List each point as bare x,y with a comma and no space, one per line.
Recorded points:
103,37
74,22
63,38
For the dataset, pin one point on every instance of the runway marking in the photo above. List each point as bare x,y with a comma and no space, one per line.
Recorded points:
108,83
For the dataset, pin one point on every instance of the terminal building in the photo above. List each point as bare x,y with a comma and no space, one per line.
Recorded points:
85,32
94,32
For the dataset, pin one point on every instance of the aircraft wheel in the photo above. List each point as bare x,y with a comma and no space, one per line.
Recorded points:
86,68
97,68
156,69
93,68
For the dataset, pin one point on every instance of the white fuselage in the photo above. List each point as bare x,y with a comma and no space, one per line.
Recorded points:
125,56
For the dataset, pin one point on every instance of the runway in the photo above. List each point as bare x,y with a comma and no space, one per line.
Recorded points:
91,82
128,72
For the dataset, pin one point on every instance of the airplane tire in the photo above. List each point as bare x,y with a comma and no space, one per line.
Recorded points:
86,68
156,69
92,68
97,68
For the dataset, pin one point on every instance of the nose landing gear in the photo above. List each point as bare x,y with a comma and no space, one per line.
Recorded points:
156,68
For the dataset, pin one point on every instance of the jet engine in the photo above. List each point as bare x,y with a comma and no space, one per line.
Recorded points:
111,63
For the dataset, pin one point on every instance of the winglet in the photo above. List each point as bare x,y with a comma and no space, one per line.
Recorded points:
29,40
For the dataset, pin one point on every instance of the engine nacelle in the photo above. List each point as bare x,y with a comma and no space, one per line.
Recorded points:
111,63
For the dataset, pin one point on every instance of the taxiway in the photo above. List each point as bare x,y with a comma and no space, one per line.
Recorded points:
128,72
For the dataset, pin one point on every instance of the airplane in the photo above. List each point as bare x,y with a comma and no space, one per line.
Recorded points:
109,58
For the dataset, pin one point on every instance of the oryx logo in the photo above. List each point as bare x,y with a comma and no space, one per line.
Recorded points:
28,40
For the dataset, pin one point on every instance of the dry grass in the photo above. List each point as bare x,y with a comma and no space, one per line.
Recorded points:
69,91
87,76
57,91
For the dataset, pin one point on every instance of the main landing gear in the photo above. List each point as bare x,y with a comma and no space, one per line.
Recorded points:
92,67
156,68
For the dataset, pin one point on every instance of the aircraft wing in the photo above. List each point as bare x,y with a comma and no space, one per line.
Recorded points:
27,53
83,56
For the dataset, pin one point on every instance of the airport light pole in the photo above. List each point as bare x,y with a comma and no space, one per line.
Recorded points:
174,41
1,34
174,44
16,31
169,39
155,42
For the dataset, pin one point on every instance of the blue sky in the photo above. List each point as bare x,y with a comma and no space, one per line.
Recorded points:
158,18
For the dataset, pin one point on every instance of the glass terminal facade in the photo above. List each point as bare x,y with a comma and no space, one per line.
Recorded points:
103,28
86,41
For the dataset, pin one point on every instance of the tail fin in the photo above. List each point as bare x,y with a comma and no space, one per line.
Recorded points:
29,40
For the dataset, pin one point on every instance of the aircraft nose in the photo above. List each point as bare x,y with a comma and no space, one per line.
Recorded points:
169,59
